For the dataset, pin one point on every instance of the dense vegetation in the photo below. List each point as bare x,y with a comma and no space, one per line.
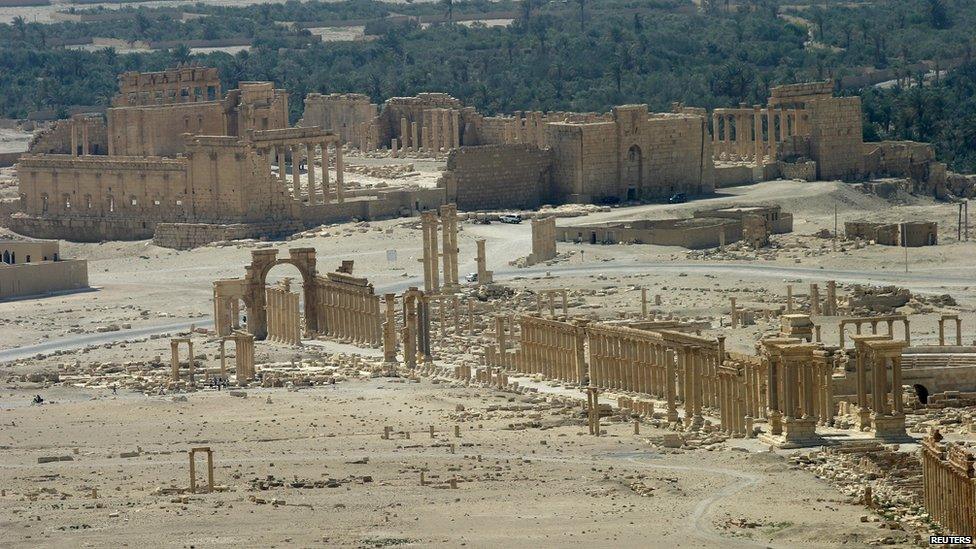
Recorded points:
578,55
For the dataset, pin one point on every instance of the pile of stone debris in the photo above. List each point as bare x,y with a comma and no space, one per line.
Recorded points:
884,478
395,171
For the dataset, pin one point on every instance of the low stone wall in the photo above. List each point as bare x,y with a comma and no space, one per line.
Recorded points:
497,177
186,236
803,171
28,279
80,230
733,176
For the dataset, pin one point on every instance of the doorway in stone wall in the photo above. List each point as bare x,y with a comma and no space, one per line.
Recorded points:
633,172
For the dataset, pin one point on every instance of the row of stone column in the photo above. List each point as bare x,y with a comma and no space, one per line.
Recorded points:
550,297
750,141
243,356
80,139
227,313
942,320
416,328
438,130
350,314
949,485
174,347
284,318
873,322
553,349
800,394
818,306
732,394
448,253
316,191
526,127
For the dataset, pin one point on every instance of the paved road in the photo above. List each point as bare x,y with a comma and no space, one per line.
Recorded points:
922,281
83,340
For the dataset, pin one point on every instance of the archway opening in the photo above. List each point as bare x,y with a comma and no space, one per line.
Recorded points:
634,172
922,393
285,280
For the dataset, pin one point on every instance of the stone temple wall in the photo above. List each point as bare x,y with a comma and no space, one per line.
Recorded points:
497,177
635,156
341,113
835,137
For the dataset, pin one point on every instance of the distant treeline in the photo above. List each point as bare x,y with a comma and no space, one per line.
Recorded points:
583,55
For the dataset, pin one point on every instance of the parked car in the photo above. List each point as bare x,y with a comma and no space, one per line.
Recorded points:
678,198
510,218
471,277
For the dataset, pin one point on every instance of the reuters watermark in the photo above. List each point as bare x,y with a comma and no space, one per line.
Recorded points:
950,540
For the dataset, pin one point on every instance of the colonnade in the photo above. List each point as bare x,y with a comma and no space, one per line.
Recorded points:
949,484
552,348
174,347
227,296
438,130
550,297
942,320
873,321
415,333
243,356
448,252
878,355
284,319
316,190
349,309
526,127
80,138
749,134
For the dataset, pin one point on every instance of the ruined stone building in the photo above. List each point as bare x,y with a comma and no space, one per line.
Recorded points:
32,267
177,158
804,132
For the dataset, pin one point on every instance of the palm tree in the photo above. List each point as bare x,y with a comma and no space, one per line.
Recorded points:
449,6
21,25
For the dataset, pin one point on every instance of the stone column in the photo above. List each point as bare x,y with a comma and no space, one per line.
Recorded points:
758,132
310,155
669,388
814,299
484,275
789,298
414,137
456,129
428,222
394,149
340,190
74,138
174,350
771,133
280,159
325,172
84,137
831,306
405,133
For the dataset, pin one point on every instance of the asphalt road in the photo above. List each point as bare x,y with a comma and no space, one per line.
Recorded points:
922,281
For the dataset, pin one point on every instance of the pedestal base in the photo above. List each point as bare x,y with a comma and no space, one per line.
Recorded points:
890,428
797,433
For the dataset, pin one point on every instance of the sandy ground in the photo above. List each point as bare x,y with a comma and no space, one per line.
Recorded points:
539,482
548,485
14,140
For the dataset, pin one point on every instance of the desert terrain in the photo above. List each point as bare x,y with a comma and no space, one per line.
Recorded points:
309,466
